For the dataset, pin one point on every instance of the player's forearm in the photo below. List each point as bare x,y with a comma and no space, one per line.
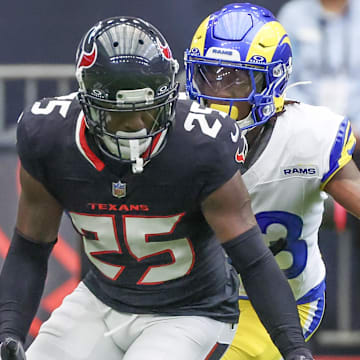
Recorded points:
21,285
274,303
268,290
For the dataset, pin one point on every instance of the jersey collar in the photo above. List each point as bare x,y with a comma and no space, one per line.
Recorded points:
83,145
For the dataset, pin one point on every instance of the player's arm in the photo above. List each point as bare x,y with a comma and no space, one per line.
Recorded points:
344,187
24,272
39,213
228,212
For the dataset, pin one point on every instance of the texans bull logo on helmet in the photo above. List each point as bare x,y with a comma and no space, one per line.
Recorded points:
88,51
165,50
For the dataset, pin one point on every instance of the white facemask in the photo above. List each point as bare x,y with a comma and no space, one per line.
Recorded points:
131,149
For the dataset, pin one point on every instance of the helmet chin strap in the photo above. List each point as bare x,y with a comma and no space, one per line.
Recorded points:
246,121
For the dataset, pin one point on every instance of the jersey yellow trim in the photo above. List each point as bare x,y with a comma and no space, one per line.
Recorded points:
345,155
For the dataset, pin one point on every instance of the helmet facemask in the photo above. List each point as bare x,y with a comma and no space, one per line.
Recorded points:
223,86
135,147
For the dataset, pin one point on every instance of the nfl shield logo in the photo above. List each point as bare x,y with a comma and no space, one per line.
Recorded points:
119,189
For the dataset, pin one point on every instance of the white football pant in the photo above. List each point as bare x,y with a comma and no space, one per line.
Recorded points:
83,328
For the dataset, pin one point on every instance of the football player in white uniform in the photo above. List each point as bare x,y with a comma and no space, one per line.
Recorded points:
239,62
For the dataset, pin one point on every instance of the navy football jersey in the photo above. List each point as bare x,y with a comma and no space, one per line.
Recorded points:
150,248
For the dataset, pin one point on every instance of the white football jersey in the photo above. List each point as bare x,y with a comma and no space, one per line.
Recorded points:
308,146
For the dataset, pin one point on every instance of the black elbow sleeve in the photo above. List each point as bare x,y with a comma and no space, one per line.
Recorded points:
267,288
22,282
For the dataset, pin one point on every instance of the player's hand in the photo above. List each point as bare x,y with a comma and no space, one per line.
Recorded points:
300,354
12,349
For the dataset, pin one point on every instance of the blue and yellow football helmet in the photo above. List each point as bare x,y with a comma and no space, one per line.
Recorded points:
240,53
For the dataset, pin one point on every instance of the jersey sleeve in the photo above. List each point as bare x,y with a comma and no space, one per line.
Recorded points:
28,132
225,154
341,151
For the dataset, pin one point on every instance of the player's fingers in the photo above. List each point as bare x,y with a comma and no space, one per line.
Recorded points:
12,350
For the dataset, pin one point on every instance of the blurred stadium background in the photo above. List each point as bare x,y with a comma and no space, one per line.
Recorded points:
38,44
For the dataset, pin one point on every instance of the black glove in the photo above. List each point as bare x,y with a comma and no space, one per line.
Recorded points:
12,349
278,245
300,354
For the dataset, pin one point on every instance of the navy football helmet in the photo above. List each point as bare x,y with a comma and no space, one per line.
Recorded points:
125,65
240,53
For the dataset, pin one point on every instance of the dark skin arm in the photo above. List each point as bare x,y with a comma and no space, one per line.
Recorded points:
39,214
344,187
228,212
228,209
38,221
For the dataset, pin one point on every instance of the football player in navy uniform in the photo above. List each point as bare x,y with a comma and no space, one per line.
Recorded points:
239,62
152,186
